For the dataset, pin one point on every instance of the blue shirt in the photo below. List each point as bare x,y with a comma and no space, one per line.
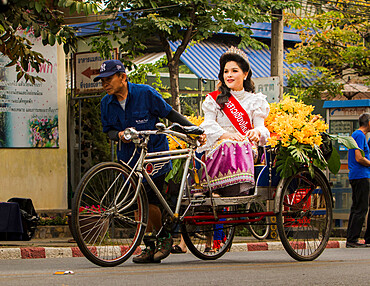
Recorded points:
356,170
144,106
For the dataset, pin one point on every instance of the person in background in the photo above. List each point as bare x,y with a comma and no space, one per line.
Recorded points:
359,175
140,106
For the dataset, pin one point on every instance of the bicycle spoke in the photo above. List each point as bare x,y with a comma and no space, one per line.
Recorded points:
305,215
108,236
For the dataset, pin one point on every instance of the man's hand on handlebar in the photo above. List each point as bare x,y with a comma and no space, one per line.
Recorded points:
122,138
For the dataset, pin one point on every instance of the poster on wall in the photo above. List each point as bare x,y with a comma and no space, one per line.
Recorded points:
29,112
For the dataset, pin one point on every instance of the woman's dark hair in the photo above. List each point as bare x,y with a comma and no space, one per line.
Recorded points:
248,84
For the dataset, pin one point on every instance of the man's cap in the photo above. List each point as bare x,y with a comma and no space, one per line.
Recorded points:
109,68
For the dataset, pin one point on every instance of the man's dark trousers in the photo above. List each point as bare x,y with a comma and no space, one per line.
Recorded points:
360,206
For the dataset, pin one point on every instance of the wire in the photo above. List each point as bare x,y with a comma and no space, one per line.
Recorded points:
352,3
328,18
309,5
131,11
325,5
128,11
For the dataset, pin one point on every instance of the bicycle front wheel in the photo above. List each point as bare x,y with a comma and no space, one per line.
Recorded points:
108,220
305,215
208,241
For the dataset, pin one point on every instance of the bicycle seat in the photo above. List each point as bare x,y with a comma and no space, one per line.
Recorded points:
193,130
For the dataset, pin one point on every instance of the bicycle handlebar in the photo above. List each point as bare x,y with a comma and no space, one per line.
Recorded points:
186,133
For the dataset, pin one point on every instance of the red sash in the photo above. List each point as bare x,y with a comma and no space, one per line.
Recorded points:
236,113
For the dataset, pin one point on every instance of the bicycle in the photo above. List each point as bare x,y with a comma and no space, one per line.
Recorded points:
110,207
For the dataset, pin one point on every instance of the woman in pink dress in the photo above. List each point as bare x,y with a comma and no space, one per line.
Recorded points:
233,122
230,133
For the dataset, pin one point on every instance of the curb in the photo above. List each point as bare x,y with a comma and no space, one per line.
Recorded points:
39,252
275,245
64,252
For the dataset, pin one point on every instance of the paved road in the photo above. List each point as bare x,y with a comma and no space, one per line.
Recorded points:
333,267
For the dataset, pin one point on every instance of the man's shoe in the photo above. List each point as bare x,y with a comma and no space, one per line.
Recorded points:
146,256
356,245
163,248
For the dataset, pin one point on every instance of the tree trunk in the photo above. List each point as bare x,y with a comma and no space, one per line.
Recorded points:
174,61
174,83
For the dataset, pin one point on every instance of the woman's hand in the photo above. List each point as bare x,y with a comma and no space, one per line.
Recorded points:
254,135
232,136
202,139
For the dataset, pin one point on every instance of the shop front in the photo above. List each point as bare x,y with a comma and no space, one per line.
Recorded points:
342,117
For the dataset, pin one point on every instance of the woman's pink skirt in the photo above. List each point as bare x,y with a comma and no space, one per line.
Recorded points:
230,163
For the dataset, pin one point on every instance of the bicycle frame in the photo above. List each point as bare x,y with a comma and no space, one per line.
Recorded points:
161,158
263,191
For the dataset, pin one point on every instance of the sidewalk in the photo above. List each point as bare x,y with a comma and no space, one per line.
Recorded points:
61,247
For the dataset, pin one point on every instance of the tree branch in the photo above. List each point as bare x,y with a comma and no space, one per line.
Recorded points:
166,46
188,35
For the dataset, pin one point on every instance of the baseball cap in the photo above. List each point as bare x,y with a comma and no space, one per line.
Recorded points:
109,68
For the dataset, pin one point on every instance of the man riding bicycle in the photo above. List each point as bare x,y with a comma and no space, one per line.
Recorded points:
140,106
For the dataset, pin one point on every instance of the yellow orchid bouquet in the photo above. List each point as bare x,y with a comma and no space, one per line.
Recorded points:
294,122
300,138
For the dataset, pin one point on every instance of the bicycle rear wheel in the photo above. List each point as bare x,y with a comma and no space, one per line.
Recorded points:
305,215
106,233
208,241
259,229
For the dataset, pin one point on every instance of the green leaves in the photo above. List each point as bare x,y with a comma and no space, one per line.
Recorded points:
289,159
321,79
88,8
79,7
286,166
68,3
347,141
51,39
139,75
103,45
46,21
38,6
334,162
177,170
336,40
299,152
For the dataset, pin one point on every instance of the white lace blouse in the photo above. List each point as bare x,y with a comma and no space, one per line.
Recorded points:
217,123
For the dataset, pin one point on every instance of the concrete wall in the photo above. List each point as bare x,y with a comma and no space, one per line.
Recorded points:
39,173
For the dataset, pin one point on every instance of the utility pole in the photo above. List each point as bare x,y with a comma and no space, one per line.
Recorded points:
277,48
